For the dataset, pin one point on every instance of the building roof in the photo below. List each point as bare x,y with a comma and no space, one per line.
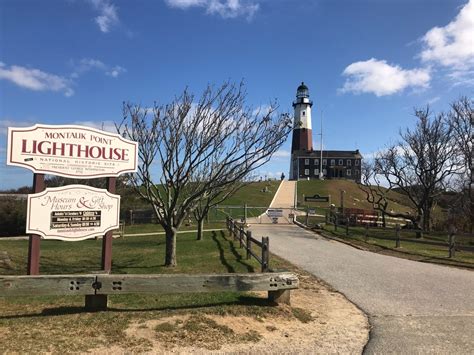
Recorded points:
329,154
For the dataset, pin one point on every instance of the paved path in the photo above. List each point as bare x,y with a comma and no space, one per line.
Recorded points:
413,307
284,199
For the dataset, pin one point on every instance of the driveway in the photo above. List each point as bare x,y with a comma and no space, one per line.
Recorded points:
413,307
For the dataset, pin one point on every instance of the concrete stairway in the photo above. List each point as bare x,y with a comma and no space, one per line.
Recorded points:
285,199
285,196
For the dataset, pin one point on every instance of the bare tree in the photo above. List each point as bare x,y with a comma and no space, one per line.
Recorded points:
421,164
188,149
377,194
459,118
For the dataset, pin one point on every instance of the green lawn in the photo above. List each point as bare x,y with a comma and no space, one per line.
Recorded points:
353,196
437,253
60,324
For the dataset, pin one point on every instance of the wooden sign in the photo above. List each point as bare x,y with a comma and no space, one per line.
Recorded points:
274,212
71,151
73,212
316,198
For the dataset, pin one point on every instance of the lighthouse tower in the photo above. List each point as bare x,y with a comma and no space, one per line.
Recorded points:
302,133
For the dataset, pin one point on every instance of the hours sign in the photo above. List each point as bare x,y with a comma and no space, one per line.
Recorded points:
71,151
73,212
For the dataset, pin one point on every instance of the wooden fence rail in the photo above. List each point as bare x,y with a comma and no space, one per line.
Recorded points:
452,245
246,240
96,287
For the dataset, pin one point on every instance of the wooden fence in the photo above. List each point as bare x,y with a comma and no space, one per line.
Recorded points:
96,287
451,243
246,240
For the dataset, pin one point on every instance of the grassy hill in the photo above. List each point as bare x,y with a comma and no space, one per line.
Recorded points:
354,197
254,195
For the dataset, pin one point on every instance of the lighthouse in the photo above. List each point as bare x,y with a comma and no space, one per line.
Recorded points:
307,163
302,134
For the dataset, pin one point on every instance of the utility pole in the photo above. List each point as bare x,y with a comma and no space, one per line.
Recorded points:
321,175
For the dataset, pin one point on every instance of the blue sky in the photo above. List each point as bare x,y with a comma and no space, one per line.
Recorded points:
367,62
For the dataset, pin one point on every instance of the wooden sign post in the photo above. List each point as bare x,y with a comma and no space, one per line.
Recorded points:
35,239
77,152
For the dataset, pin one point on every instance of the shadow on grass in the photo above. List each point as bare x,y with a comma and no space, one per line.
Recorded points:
222,258
64,310
237,255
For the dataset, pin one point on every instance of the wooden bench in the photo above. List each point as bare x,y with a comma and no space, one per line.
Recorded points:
96,287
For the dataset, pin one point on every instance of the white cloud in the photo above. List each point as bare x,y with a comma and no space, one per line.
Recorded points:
115,71
108,126
452,46
380,78
281,154
4,124
108,16
35,79
223,8
88,64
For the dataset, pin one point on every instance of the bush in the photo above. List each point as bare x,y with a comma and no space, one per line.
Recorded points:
12,216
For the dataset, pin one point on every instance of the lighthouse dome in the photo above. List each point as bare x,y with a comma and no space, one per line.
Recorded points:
302,91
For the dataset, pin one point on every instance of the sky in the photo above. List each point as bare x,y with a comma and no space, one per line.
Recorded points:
367,63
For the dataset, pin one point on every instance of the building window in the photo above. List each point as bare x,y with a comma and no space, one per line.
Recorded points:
348,172
325,162
349,162
357,172
304,113
341,162
306,172
333,162
316,161
324,172
306,162
316,172
357,162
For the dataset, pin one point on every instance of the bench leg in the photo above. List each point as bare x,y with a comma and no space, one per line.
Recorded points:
95,303
280,296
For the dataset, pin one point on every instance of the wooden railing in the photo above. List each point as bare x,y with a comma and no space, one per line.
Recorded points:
96,287
246,240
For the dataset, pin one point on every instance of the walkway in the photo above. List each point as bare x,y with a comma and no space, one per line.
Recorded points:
413,307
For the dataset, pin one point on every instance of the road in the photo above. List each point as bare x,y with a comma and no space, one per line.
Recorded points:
413,307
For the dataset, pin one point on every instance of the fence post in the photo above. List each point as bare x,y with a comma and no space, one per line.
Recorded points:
397,236
366,232
131,217
327,217
307,216
452,244
248,245
235,231
241,235
335,222
265,253
245,213
347,226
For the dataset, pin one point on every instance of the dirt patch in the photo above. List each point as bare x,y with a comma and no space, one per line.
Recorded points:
319,320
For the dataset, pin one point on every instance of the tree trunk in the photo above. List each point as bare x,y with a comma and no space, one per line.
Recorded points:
200,224
170,256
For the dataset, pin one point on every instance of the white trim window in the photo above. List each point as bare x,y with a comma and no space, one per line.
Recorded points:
325,162
306,172
316,161
341,162
348,172
357,162
333,162
357,172
325,172
349,162
306,162
316,172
